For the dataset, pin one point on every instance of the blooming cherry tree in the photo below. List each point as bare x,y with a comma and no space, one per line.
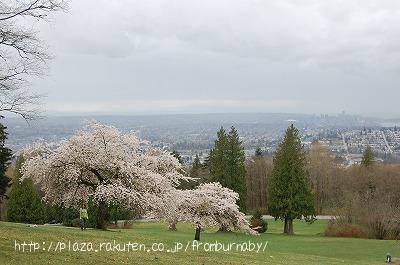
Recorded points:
209,205
169,208
102,162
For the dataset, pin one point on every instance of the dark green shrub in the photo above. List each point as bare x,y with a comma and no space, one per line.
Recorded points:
69,215
257,223
25,205
76,222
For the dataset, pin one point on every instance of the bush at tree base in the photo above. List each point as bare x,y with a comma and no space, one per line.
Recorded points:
258,223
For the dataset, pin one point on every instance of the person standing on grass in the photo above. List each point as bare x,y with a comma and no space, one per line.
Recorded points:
83,215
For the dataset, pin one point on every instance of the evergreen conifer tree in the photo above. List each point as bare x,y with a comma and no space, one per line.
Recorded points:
5,158
177,155
196,167
259,152
290,194
227,163
24,204
368,157
236,167
217,159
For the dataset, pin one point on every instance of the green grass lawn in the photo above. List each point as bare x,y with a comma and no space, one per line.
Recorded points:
306,247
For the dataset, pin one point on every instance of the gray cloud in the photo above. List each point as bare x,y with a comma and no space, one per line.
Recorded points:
311,56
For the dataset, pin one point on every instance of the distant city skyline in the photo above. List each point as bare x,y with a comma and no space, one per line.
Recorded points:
55,114
346,136
152,57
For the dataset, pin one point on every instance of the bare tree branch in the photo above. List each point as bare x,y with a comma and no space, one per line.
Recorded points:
22,54
22,103
37,8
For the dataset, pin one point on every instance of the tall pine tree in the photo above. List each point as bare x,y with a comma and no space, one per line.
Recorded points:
259,152
217,158
5,159
290,195
196,167
236,167
227,163
177,155
368,157
199,171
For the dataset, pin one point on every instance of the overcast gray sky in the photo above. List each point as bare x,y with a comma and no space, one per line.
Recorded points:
200,56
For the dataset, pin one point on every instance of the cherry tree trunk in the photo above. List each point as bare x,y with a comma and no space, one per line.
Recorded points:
172,226
102,215
197,235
